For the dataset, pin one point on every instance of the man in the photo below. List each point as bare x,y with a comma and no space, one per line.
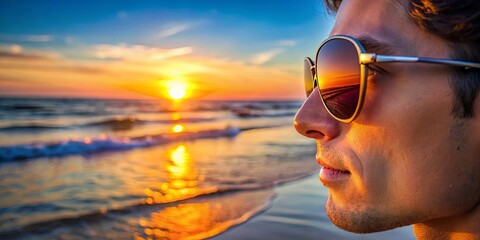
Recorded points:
402,147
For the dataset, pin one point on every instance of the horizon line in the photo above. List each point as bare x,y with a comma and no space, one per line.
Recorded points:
148,99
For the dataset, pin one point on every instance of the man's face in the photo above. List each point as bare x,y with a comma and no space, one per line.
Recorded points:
409,160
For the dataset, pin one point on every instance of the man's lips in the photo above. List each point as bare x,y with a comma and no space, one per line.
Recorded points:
336,170
331,176
330,166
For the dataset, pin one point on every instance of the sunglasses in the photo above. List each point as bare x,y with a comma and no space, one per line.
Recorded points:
341,71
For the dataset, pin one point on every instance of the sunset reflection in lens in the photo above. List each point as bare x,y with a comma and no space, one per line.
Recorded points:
338,72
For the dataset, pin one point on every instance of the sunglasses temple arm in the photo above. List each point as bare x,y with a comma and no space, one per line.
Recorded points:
456,63
366,58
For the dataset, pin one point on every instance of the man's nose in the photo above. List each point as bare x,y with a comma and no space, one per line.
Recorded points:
313,121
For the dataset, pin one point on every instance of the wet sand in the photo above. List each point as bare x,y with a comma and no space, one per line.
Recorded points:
298,213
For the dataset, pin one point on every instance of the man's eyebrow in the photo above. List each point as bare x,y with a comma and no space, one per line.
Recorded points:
374,46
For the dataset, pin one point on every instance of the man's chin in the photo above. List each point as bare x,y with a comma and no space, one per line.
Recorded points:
357,220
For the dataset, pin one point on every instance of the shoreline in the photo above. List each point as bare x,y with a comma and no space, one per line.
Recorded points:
298,212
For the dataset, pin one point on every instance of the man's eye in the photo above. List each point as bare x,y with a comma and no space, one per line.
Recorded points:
374,70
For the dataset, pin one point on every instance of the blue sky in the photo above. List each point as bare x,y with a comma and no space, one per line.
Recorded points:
265,34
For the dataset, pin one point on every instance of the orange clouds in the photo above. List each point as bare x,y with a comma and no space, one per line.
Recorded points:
137,52
134,71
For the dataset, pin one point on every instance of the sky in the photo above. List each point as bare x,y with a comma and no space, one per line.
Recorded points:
214,50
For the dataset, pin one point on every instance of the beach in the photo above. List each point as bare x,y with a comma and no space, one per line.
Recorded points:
298,212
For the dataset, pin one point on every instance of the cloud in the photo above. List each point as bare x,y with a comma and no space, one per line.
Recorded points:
27,38
287,43
16,51
69,40
140,53
265,57
38,38
175,29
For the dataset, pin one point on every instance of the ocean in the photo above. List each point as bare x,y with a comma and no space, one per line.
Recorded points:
140,169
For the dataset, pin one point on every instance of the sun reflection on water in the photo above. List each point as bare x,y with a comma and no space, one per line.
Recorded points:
178,128
176,116
202,218
186,207
183,179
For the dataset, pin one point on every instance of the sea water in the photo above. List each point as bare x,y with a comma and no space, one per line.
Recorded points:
123,169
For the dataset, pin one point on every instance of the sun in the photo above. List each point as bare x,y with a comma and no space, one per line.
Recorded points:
176,89
177,92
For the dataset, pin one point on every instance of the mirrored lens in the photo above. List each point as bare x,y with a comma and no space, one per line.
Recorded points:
338,73
308,76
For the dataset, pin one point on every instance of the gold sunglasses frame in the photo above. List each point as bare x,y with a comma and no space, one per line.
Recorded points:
366,58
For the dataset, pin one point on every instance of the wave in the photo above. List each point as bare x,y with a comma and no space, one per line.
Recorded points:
124,123
120,121
104,143
247,113
49,225
29,127
127,123
106,106
25,107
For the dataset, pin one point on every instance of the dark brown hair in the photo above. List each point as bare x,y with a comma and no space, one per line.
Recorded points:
458,22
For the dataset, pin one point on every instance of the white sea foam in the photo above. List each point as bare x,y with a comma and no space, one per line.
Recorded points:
104,143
